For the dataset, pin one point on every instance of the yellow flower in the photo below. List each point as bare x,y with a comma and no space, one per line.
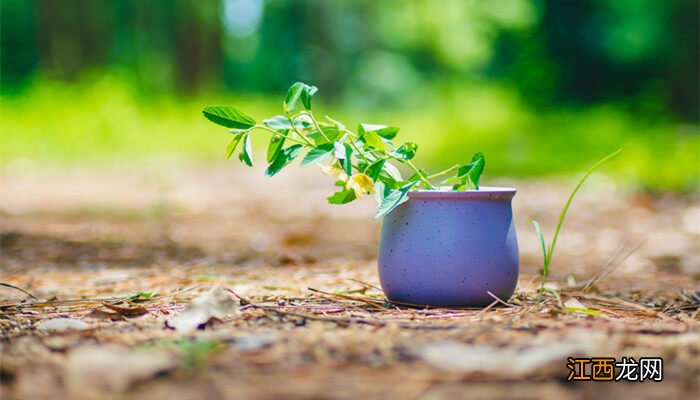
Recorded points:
334,171
361,184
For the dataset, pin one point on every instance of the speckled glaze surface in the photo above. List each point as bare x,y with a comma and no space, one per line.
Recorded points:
444,248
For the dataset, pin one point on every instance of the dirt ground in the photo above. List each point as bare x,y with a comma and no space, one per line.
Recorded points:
308,320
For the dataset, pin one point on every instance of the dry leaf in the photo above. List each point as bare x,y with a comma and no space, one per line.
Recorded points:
216,304
574,303
127,311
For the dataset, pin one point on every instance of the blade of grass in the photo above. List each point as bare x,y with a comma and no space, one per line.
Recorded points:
543,244
571,198
550,251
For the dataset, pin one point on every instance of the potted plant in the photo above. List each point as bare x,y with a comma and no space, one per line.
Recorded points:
446,240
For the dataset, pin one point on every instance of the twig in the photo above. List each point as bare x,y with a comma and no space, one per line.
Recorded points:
366,321
97,300
632,305
371,302
366,284
499,300
486,309
610,267
20,289
341,320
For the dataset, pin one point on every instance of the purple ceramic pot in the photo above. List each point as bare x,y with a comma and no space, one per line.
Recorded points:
449,248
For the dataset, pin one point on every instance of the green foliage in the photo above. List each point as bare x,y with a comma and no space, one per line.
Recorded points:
299,91
318,154
389,198
92,130
375,169
232,145
406,152
468,175
339,151
246,154
141,296
228,117
283,158
342,197
547,252
276,143
343,152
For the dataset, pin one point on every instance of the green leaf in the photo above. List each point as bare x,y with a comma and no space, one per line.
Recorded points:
330,132
141,297
343,197
540,236
276,143
307,94
278,122
390,175
393,199
473,170
381,190
283,158
246,154
375,169
293,97
406,152
387,132
318,154
228,117
232,145
372,140
343,152
299,91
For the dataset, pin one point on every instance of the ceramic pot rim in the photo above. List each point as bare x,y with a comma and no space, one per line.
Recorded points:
484,193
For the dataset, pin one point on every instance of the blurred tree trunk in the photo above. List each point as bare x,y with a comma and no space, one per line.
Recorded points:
73,35
198,50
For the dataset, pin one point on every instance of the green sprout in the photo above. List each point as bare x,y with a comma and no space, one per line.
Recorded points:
548,251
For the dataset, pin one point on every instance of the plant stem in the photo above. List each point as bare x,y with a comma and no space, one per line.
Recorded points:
352,143
416,170
291,122
435,175
316,123
278,133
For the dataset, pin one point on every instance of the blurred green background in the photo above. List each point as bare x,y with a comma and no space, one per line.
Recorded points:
541,86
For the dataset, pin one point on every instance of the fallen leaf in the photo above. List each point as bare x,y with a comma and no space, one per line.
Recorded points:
92,370
62,324
127,311
216,304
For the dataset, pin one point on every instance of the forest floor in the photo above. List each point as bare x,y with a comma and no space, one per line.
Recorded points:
295,310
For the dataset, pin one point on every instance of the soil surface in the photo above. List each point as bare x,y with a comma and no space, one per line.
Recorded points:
288,300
